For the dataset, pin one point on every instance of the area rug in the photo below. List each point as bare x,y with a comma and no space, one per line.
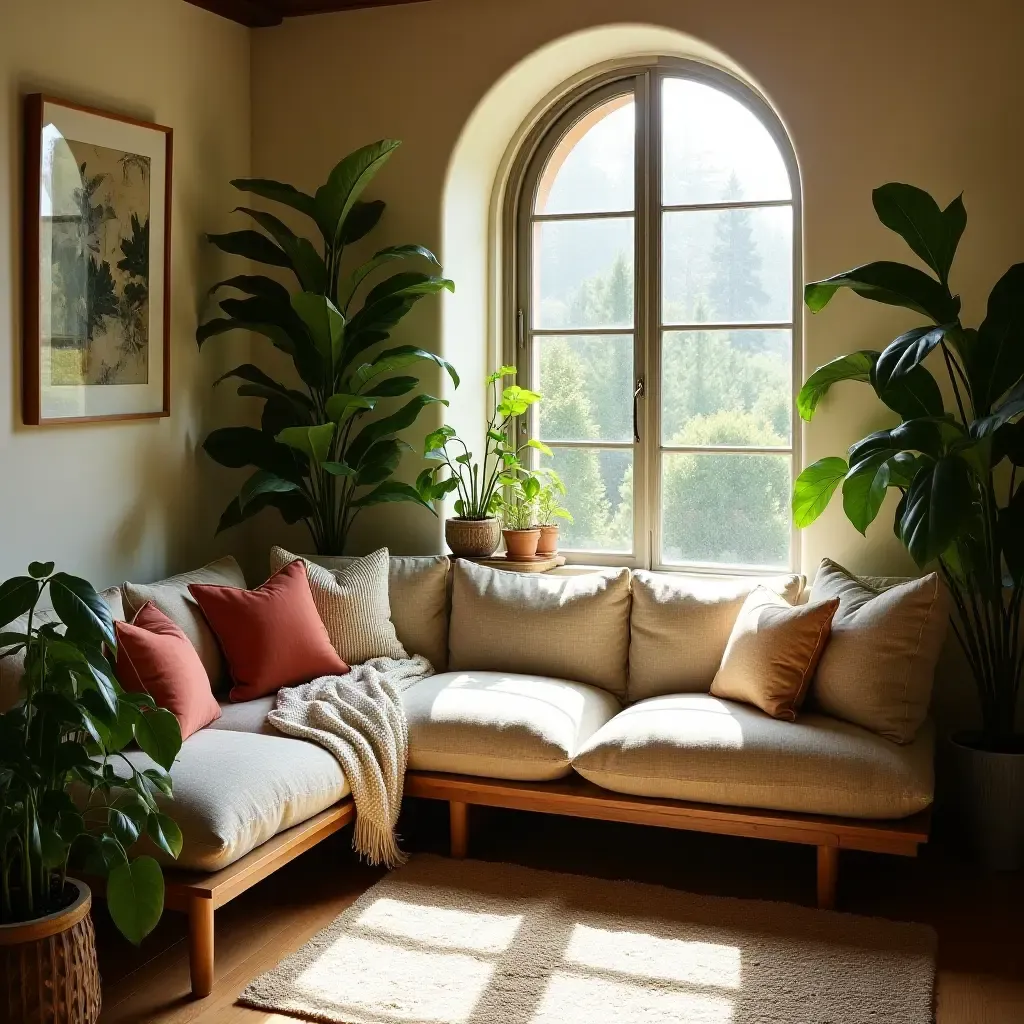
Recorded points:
468,942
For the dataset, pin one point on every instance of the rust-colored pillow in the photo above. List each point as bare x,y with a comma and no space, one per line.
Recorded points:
271,636
772,653
155,656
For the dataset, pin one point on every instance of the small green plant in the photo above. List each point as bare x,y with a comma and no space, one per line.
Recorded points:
518,507
479,483
72,720
549,499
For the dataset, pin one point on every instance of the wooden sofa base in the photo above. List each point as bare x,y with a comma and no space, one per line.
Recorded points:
199,894
577,797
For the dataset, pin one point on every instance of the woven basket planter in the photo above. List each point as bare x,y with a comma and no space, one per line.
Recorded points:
48,972
472,538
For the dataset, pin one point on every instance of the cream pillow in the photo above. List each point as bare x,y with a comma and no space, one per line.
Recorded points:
772,653
564,627
353,605
172,597
879,666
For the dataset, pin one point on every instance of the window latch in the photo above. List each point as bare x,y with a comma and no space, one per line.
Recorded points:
638,393
520,329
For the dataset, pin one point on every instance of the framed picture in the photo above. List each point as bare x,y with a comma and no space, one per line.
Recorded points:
96,265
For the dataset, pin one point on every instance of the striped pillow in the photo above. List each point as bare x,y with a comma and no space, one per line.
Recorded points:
353,605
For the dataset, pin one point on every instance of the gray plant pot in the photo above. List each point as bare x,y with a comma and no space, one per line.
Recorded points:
990,789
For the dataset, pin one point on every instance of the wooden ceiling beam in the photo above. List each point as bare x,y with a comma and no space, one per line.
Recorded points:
264,13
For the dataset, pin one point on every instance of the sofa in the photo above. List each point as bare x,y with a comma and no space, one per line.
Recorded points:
584,695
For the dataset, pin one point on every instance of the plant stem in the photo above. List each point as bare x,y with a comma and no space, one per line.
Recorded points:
952,377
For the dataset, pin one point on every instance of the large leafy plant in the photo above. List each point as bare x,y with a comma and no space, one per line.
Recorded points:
479,483
64,736
323,451
961,505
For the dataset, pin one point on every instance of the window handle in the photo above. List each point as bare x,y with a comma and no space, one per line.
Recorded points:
637,395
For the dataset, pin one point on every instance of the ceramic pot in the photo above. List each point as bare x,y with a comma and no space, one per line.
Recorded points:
990,787
472,538
521,543
548,546
50,967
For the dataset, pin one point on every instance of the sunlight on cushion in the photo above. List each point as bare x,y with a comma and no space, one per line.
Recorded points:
650,956
466,930
600,1001
414,985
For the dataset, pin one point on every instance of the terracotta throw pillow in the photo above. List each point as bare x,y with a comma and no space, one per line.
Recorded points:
353,604
271,636
155,656
772,653
879,668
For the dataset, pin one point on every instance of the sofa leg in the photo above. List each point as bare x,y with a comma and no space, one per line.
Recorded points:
828,876
458,824
200,946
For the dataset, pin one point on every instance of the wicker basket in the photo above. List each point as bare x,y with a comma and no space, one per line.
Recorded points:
472,538
48,972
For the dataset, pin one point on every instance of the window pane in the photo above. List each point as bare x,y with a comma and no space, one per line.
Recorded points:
715,149
728,266
599,494
583,273
591,170
725,509
587,384
727,387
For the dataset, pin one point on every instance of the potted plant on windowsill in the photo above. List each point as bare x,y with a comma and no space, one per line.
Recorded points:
961,504
56,743
475,530
549,511
517,512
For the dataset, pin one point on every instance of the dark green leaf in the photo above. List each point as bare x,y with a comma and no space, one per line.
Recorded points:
341,407
238,447
915,394
80,608
158,734
998,362
400,420
1010,408
264,482
303,258
324,322
914,215
393,387
814,488
160,779
1007,443
864,489
253,246
855,366
337,468
40,570
339,194
278,192
895,284
293,508
361,220
257,285
1011,536
135,897
17,595
380,461
940,504
405,355
905,353
164,831
314,442
395,252
125,830
389,491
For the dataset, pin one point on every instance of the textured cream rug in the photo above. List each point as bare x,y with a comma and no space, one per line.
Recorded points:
466,942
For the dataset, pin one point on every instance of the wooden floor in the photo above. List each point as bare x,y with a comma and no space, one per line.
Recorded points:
978,917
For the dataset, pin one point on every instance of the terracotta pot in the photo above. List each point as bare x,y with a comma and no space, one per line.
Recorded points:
522,543
472,538
49,967
548,546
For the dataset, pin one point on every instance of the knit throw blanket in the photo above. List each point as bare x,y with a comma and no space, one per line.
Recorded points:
359,719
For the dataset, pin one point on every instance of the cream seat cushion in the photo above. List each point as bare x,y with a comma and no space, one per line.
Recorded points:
418,594
701,748
247,716
566,627
502,725
234,791
680,625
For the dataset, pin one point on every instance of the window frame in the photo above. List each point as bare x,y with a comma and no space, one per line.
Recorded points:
644,81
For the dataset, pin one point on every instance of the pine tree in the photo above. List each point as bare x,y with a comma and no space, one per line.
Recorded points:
735,291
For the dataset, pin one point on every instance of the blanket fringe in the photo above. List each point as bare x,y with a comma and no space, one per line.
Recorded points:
377,844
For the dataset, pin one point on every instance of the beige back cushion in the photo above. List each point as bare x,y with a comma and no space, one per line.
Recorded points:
879,666
418,594
680,625
566,627
171,596
12,668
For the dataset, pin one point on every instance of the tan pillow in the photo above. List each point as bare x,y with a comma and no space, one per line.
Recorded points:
879,666
679,627
352,604
565,627
171,596
772,653
418,595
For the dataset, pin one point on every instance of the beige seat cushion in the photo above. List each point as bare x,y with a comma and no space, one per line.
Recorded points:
172,597
879,666
234,791
418,594
701,748
501,725
12,668
679,626
352,603
567,627
247,716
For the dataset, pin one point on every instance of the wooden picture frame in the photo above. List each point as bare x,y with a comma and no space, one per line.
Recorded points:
96,265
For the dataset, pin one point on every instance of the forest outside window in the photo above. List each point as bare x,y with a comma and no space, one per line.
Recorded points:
654,278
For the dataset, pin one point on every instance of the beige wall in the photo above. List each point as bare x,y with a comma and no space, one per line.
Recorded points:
913,90
127,500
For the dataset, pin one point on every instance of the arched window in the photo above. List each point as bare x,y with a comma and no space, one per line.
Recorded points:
653,273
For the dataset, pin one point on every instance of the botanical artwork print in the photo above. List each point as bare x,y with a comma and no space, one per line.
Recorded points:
98,256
